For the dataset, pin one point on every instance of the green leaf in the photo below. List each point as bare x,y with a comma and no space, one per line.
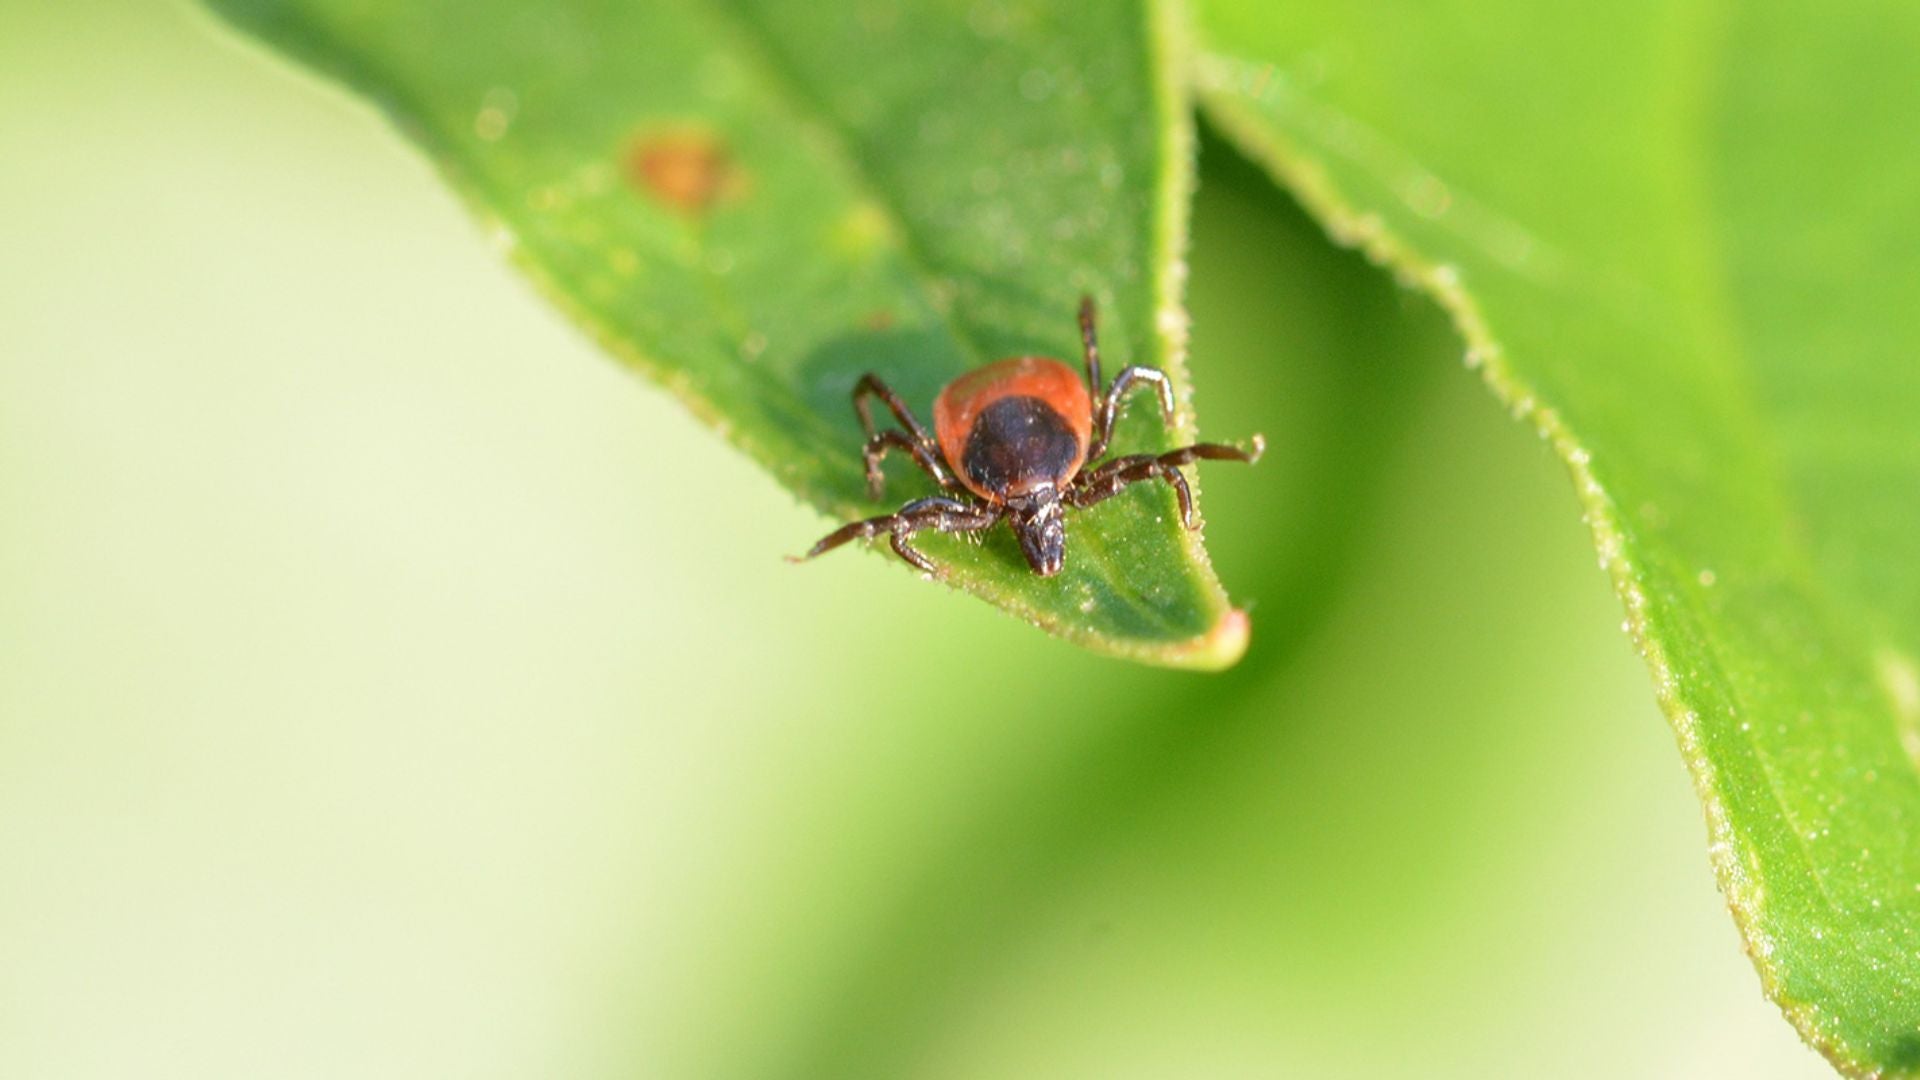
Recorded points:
756,202
1682,241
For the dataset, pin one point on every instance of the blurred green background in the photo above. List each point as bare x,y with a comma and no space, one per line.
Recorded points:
392,686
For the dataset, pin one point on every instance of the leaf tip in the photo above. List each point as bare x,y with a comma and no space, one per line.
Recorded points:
1216,650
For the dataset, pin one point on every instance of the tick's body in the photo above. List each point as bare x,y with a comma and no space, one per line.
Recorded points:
1014,427
1014,435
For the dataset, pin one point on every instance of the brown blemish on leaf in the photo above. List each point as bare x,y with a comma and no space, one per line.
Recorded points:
878,319
687,169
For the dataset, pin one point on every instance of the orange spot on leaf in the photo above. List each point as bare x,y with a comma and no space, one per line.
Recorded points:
686,169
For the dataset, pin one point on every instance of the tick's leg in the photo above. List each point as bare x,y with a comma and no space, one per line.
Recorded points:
941,515
877,447
871,386
1109,407
1089,347
938,513
1107,480
1208,451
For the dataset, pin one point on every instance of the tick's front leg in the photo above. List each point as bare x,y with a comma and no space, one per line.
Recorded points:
938,513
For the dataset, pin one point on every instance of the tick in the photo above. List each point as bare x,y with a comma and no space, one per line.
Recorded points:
1010,442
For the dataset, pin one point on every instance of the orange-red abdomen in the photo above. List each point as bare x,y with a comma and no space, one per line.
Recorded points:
1014,426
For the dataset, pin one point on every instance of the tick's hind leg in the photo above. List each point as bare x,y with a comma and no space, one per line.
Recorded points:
938,513
1106,481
